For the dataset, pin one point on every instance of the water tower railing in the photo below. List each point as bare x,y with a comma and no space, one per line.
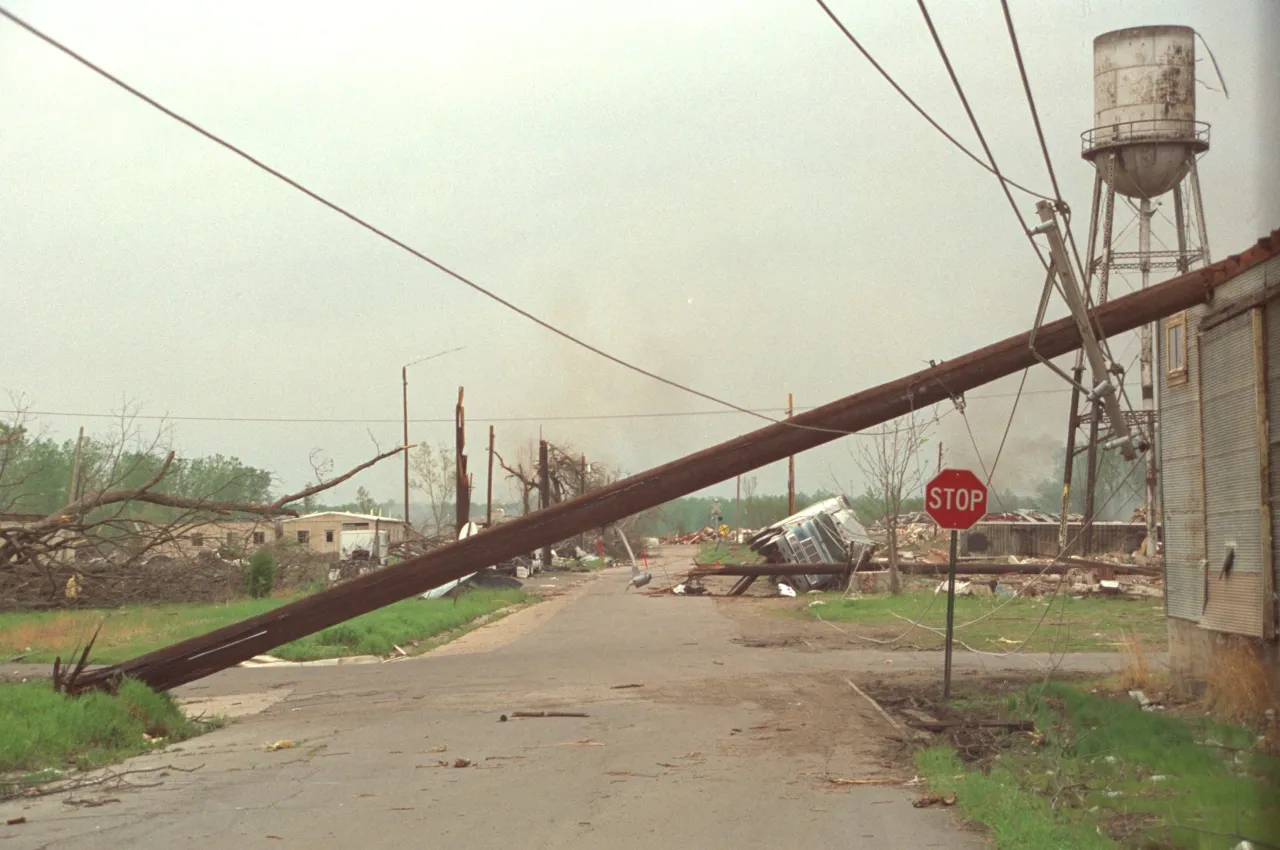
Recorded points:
1195,133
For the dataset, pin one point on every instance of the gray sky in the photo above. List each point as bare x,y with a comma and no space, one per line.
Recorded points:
724,193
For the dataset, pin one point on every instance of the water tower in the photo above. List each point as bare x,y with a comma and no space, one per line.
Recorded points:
1144,146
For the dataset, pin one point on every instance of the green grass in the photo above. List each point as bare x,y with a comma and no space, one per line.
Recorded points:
1017,818
1091,624
129,632
400,623
1147,778
42,731
726,553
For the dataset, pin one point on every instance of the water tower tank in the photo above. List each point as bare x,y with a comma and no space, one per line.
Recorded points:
1144,100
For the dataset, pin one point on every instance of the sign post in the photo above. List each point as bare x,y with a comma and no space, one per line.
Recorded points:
955,499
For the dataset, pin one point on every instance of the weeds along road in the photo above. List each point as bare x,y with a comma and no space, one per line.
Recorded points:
721,745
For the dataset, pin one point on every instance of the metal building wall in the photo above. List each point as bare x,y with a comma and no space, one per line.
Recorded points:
1232,478
1182,477
1271,325
1233,466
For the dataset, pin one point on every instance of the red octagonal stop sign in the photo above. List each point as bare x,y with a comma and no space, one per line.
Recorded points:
956,499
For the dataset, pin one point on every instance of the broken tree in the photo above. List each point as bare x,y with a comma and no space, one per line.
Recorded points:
200,656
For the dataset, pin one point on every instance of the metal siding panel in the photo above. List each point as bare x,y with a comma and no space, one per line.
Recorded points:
1270,271
1233,489
1181,481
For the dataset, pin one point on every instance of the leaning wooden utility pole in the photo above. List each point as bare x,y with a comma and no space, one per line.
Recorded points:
404,400
582,491
488,514
205,654
544,495
791,468
462,488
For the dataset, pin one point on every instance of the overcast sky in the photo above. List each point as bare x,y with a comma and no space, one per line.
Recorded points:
722,192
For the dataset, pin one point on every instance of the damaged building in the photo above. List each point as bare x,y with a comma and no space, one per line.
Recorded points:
1219,372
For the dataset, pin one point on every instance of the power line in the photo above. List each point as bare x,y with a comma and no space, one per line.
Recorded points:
336,421
585,417
854,41
381,233
1035,118
995,169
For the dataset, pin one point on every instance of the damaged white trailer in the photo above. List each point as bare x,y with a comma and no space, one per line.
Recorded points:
827,532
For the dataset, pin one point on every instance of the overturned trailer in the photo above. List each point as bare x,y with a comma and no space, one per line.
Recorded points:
827,532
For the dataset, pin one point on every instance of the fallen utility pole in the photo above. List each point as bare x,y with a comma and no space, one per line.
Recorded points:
200,656
700,570
918,568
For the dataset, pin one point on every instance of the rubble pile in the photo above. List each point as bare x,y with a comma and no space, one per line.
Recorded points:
100,583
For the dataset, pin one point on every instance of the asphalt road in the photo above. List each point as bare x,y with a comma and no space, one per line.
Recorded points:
722,745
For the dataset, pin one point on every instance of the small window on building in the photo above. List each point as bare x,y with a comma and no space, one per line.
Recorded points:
197,540
1175,330
304,537
259,537
328,535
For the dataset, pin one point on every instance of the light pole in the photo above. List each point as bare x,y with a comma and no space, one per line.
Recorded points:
404,388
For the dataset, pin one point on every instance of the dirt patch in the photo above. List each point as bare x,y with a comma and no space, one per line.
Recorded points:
809,714
1124,827
768,623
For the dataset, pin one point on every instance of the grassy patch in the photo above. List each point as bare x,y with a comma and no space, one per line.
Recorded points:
1103,772
1017,818
1083,625
129,632
709,552
398,624
126,632
42,731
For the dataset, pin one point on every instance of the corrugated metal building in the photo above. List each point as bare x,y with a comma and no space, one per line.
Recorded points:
1040,539
1219,373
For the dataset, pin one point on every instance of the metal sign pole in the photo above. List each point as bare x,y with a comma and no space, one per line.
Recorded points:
951,615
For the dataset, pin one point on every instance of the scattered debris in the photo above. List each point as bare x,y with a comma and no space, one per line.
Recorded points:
284,744
90,802
440,748
786,590
462,762
620,687
548,714
836,780
942,725
433,764
15,821
815,603
934,800
963,588
857,690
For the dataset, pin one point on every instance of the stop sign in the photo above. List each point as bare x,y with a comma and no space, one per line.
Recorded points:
956,499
